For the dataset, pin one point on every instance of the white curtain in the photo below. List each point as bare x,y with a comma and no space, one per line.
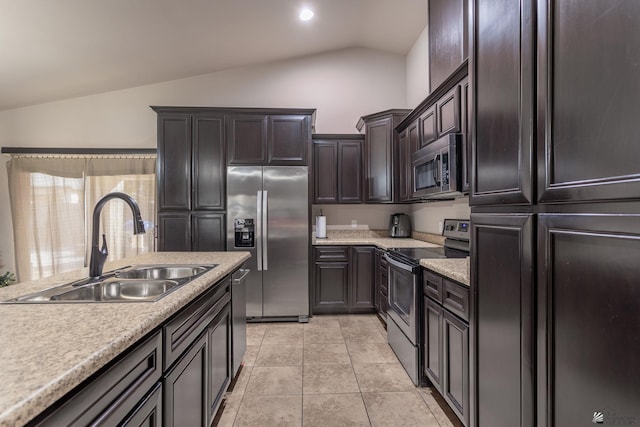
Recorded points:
52,200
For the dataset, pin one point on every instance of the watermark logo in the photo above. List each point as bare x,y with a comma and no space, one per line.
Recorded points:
598,417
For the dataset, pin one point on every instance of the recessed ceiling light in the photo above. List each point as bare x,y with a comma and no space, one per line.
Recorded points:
305,14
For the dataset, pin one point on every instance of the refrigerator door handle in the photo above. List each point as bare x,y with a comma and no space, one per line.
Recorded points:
259,230
265,230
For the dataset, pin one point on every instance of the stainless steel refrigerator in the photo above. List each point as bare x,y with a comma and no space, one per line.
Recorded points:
267,215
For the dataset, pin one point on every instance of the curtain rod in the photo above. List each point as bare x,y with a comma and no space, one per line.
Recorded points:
80,151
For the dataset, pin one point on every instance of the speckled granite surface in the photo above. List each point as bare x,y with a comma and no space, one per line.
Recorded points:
455,268
48,349
377,238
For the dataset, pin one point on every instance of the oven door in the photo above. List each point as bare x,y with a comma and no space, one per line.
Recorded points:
403,297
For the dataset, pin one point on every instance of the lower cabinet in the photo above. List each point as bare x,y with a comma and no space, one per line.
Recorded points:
175,377
344,279
191,231
446,340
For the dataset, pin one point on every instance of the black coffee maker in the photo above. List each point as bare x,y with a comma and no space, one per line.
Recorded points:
400,225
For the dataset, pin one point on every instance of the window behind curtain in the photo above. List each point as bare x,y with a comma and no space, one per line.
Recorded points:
52,201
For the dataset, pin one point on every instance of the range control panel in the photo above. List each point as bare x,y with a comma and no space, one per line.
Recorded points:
244,230
456,229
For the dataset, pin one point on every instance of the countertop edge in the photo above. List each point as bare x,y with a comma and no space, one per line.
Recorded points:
32,403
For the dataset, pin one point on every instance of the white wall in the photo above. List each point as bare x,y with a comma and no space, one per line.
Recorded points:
368,217
418,70
341,85
427,216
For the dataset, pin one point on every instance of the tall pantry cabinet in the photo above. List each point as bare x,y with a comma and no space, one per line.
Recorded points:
554,197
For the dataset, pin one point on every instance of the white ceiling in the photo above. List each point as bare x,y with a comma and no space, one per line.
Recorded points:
60,49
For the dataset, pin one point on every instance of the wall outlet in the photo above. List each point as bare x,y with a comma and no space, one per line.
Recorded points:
354,223
440,226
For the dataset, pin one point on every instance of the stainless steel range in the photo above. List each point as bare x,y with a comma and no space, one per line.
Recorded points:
405,296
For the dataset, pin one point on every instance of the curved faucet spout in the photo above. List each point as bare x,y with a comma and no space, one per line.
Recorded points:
99,255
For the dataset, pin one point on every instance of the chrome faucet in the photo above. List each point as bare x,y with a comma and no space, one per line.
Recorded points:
99,255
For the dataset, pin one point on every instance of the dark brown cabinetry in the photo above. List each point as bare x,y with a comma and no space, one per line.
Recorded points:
588,101
191,179
588,302
344,279
337,168
448,33
502,74
381,300
428,126
445,332
503,300
268,139
380,155
184,231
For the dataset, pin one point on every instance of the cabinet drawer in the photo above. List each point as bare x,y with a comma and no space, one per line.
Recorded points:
456,299
332,253
432,285
115,392
182,330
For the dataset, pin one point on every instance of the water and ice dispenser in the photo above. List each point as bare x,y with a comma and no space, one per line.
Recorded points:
244,229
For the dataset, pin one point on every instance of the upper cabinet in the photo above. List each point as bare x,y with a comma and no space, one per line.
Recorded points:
448,35
501,71
191,167
269,139
381,158
337,168
589,98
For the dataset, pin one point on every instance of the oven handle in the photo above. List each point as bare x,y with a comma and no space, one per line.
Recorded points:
399,265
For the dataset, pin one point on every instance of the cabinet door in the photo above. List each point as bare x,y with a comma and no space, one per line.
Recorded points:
378,160
361,288
465,115
209,232
428,127
501,70
449,112
246,139
185,388
404,165
455,355
432,330
209,163
325,171
174,231
289,139
148,413
384,285
349,172
588,327
174,161
502,298
447,38
331,287
219,364
589,100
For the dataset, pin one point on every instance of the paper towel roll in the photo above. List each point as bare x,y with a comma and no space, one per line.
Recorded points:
321,227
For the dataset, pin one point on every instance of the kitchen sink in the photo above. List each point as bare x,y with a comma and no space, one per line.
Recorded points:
138,283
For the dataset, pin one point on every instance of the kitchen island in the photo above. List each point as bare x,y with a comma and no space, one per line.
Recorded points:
47,350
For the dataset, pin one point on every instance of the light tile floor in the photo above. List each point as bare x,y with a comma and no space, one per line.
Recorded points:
332,371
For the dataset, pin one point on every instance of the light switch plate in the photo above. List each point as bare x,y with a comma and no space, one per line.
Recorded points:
354,223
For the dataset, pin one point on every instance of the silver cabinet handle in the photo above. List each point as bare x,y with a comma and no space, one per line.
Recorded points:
259,229
265,222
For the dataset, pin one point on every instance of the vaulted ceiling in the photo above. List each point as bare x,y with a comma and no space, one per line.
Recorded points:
60,49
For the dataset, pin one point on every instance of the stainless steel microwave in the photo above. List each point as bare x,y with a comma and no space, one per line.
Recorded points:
437,169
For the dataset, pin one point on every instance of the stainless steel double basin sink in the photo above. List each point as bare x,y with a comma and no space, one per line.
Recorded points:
137,283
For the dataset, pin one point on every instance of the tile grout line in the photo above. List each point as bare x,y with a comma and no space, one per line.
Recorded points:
354,374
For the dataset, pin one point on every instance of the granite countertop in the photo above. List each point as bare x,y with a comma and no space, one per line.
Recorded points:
380,239
48,349
454,268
